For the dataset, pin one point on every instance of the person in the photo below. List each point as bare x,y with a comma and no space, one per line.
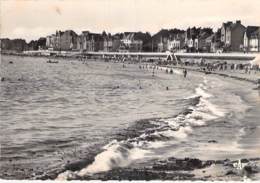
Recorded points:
185,73
258,83
167,88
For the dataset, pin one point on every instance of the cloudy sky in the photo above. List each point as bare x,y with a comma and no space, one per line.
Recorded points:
31,19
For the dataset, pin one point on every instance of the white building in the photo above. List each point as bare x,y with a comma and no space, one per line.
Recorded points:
252,39
174,44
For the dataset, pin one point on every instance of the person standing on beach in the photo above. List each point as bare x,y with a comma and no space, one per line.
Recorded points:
185,73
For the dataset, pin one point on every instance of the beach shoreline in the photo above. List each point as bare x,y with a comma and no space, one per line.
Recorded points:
172,168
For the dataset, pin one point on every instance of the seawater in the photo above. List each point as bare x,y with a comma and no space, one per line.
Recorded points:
72,118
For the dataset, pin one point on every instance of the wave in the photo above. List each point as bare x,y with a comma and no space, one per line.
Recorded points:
156,134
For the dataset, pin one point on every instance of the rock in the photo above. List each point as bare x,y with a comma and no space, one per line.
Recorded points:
248,170
194,163
212,141
208,163
244,160
230,172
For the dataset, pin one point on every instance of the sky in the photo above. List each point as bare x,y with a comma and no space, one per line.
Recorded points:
31,19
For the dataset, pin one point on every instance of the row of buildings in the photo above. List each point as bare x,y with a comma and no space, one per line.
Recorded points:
231,37
88,41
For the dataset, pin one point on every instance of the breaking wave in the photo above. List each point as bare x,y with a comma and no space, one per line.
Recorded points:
162,130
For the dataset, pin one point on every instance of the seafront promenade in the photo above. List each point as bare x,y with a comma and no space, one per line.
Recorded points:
160,55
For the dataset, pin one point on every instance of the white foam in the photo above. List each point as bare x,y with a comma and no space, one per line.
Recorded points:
156,144
115,155
212,108
181,133
66,175
203,93
191,97
177,72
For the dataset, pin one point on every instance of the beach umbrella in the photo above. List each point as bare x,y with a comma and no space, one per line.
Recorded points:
256,61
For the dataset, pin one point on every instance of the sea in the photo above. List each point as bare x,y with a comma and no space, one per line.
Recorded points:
95,116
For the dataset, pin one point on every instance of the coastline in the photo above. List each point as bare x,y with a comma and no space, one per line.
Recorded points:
191,169
183,169
238,76
252,78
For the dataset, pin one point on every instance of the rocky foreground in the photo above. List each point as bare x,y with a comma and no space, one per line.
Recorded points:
184,169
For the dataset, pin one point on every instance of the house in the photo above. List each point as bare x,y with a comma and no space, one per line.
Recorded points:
68,40
53,41
202,38
108,43
111,43
216,45
163,45
191,39
50,41
213,42
252,39
88,41
167,39
232,36
225,35
57,40
176,43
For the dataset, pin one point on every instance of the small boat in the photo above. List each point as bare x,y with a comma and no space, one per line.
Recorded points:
52,62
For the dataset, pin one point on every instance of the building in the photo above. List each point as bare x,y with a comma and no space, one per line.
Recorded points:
176,43
50,41
213,42
68,40
202,40
62,40
232,36
108,43
163,44
53,42
88,41
216,45
191,39
111,43
252,39
225,35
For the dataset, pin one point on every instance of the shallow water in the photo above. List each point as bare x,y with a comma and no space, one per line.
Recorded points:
104,116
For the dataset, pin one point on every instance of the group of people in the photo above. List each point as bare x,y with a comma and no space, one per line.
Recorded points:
168,71
221,66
